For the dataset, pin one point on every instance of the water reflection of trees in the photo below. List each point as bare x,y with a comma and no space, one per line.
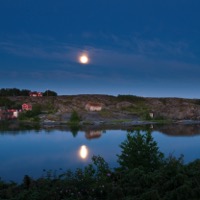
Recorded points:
179,129
96,132
14,128
74,129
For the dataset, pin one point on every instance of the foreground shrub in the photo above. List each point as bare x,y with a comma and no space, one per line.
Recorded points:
140,150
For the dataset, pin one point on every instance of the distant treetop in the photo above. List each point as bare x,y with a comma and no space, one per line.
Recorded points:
49,93
24,92
131,98
13,92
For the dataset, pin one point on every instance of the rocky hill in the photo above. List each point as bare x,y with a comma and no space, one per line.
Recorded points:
122,107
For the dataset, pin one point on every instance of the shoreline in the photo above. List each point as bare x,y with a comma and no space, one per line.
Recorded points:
95,125
116,125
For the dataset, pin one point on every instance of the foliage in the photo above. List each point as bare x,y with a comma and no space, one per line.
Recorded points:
163,100
74,123
140,150
31,114
197,101
130,98
50,107
140,109
14,92
147,116
105,113
150,177
6,103
24,92
37,109
49,93
74,118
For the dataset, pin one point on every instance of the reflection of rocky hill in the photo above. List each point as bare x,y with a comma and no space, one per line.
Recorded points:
180,129
95,131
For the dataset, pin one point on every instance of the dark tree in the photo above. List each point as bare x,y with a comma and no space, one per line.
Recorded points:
6,103
140,150
74,118
13,92
25,92
49,93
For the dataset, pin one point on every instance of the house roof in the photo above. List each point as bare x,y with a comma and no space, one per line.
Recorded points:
94,104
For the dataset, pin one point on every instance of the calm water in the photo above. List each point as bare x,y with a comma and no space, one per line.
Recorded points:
30,152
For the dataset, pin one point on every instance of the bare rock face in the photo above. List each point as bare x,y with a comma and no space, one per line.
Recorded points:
116,108
123,104
175,108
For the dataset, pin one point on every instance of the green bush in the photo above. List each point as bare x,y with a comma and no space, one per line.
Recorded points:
197,101
140,150
6,103
74,118
74,123
31,114
49,93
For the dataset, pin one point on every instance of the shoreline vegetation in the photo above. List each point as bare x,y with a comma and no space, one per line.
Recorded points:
143,173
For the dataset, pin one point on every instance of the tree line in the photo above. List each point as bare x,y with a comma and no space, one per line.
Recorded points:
24,92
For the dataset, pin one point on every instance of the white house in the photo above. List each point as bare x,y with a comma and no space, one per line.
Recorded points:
93,106
26,106
16,114
151,115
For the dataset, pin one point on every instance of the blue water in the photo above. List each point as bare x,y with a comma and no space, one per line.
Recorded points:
31,152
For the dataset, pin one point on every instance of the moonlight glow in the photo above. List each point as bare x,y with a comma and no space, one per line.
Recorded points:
83,152
84,59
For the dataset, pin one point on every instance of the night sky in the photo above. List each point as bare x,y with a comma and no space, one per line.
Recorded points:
147,48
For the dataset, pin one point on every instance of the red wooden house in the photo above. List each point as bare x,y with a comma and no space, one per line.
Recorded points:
35,94
26,106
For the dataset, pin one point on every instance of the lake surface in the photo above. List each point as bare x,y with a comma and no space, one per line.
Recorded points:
31,152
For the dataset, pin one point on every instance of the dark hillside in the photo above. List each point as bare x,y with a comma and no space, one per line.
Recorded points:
122,107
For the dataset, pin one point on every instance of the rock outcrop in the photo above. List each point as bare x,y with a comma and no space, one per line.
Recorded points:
120,107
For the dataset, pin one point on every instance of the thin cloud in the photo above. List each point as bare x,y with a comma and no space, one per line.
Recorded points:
32,51
147,56
142,46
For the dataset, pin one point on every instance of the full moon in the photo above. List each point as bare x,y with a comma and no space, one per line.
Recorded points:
84,59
